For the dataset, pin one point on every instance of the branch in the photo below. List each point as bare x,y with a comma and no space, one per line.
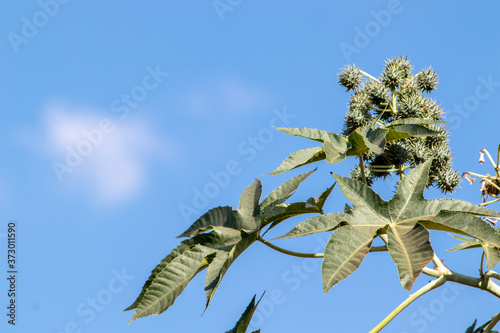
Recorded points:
493,322
291,253
428,287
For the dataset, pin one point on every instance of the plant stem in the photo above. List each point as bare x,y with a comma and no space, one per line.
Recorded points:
489,202
291,253
428,287
493,322
362,169
491,159
378,248
369,76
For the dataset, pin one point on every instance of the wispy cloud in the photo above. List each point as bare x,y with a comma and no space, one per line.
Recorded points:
109,165
229,94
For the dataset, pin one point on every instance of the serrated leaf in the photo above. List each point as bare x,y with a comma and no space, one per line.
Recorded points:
170,282
249,199
492,256
334,154
213,241
316,224
408,207
300,158
366,138
283,192
408,121
312,134
221,268
217,217
344,252
411,250
467,243
464,224
246,317
416,131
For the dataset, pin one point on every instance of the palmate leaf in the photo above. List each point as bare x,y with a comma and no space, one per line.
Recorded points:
492,256
344,252
314,134
407,208
411,250
246,317
412,121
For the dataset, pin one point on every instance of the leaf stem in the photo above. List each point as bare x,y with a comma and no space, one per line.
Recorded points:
362,169
428,287
290,253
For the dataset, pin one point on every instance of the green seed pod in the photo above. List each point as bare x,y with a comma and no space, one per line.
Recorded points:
427,80
350,77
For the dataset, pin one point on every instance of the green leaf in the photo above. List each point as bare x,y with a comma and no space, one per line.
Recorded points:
468,243
411,250
300,158
464,224
222,217
249,199
312,134
282,193
246,317
344,252
320,223
492,256
170,282
334,154
410,121
408,131
217,239
405,209
216,275
366,138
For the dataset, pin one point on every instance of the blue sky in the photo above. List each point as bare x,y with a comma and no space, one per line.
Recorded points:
170,94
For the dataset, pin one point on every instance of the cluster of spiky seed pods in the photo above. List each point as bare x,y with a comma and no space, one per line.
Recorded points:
398,94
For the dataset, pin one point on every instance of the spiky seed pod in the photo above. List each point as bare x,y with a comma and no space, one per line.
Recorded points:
355,119
448,180
418,152
427,80
378,93
369,156
380,160
439,139
397,153
409,88
356,174
441,158
350,77
396,72
431,110
360,101
410,107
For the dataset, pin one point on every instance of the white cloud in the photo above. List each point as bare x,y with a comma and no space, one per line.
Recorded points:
110,162
225,94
